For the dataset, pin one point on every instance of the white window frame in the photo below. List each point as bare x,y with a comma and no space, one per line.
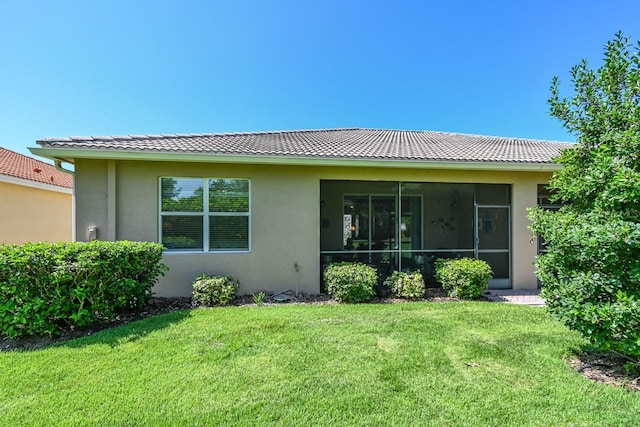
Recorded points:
205,214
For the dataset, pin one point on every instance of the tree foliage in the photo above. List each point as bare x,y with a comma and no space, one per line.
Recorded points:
591,272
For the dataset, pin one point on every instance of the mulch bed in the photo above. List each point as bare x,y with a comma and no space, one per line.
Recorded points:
606,368
431,294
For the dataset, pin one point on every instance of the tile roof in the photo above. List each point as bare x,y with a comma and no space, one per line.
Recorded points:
17,165
354,144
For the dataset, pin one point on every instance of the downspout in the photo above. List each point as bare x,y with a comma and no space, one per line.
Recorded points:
111,201
58,165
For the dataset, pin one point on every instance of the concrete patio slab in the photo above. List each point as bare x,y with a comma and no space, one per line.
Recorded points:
516,296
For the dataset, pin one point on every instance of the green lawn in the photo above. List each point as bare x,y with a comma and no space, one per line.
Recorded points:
468,364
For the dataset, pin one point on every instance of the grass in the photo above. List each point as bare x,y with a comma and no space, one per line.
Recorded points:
454,363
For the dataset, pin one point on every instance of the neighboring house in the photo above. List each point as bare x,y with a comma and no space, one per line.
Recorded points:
35,200
273,208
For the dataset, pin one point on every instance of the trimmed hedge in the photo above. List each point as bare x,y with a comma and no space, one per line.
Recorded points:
463,278
350,282
45,287
209,291
406,285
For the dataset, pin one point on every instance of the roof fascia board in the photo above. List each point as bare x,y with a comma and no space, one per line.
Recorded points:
64,154
34,184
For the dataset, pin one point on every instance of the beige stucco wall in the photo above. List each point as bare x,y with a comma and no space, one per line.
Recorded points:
120,198
90,182
284,222
29,214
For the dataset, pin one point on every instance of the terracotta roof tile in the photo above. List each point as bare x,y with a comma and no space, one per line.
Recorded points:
20,166
354,143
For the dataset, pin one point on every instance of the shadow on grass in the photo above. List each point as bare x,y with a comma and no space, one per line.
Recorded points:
110,334
128,332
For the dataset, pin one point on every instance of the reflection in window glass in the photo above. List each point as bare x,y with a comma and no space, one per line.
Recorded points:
182,232
228,195
229,232
181,194
183,213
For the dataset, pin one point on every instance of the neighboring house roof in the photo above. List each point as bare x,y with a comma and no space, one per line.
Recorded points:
21,169
355,145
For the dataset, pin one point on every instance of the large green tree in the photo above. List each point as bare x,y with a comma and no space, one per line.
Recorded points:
591,272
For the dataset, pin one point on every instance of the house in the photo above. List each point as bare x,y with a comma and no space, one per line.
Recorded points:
35,200
273,208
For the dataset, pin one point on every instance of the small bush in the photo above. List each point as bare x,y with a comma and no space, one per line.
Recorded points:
214,290
463,278
406,285
46,287
258,298
350,282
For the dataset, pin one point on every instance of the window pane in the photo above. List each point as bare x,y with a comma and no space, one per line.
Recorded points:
355,234
383,222
411,223
182,232
228,195
493,194
181,195
448,219
229,232
344,213
493,228
499,262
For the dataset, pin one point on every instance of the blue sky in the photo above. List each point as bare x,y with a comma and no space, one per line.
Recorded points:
149,67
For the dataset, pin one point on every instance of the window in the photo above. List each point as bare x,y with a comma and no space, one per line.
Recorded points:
205,214
369,222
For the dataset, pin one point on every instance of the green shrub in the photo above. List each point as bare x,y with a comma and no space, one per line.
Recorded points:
464,278
406,285
350,282
591,278
258,298
591,270
214,290
45,287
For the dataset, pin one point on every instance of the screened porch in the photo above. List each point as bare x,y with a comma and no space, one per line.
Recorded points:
408,225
